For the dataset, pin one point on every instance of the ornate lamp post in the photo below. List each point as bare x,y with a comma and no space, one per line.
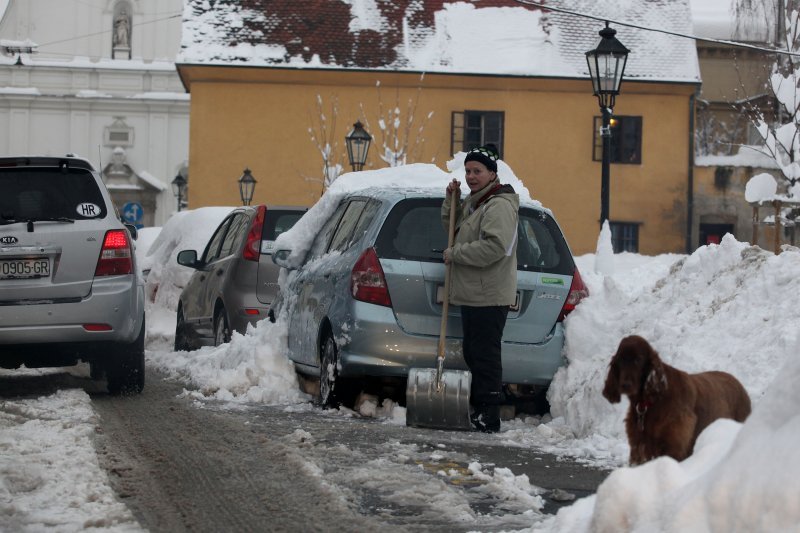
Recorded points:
247,184
357,146
179,185
606,67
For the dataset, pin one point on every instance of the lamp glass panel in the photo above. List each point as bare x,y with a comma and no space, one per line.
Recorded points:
360,150
246,190
591,59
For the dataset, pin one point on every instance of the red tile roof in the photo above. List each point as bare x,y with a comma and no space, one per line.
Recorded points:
417,35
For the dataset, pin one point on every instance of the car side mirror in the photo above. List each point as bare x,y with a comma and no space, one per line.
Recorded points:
188,258
281,258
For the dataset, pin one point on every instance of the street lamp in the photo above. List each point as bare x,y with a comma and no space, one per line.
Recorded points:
179,185
606,66
247,184
357,146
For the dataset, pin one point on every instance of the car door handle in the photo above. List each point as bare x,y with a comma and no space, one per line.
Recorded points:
220,271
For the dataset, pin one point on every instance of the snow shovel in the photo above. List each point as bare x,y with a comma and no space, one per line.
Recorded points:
435,397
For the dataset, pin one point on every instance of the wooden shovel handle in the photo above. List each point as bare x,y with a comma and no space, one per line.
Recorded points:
446,298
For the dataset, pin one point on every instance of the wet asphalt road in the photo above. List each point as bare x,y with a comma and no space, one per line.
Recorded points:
185,465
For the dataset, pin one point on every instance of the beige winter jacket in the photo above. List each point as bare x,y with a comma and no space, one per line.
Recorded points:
484,255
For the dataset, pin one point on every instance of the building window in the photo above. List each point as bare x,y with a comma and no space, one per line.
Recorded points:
625,237
626,140
471,129
713,233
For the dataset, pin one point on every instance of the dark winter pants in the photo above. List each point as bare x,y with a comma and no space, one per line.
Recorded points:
483,333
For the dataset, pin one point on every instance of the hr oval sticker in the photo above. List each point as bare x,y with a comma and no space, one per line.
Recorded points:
88,210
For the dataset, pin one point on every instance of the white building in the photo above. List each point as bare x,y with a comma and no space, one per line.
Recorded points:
96,78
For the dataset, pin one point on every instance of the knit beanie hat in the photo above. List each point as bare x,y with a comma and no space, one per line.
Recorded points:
486,155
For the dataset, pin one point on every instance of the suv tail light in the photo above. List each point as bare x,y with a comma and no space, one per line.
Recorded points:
252,248
115,257
367,282
577,292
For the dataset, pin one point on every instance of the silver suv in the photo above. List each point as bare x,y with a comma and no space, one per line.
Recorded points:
235,279
365,302
69,284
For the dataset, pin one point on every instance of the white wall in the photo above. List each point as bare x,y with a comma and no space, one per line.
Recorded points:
64,96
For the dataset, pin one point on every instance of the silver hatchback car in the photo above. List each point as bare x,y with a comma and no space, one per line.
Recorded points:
366,300
235,279
69,288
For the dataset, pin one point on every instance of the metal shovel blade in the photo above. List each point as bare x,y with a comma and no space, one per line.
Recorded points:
439,407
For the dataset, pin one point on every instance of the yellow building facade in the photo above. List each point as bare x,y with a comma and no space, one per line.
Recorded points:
260,118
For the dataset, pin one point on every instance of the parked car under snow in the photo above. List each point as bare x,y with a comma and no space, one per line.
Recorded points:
363,304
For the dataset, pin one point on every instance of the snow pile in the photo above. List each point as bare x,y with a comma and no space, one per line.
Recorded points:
604,258
721,308
251,368
49,475
740,477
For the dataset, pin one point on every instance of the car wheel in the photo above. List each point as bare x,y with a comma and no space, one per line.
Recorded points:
333,389
222,331
127,374
181,342
328,374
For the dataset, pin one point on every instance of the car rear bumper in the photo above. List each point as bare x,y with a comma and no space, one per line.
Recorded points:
240,318
117,302
380,348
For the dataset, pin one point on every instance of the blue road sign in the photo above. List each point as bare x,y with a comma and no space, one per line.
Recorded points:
132,213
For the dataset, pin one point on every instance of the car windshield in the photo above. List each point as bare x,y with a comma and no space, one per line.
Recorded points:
49,194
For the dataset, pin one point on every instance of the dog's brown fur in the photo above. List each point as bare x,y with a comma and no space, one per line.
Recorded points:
668,407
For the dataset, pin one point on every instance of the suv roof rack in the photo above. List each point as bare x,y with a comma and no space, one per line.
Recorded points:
70,160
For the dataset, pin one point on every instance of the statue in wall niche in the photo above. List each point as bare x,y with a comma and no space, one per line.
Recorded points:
122,31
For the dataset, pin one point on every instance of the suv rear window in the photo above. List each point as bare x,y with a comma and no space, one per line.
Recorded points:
413,231
30,193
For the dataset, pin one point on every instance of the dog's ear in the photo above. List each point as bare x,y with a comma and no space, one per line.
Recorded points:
656,379
611,388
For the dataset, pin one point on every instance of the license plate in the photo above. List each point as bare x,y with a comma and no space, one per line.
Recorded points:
440,298
24,268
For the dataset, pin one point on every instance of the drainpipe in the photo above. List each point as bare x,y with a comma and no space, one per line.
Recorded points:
690,177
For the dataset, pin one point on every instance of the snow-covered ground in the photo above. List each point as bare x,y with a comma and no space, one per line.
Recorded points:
729,307
50,478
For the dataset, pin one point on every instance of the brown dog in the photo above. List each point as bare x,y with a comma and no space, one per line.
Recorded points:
668,407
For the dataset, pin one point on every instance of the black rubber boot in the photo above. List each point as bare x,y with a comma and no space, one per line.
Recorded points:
486,418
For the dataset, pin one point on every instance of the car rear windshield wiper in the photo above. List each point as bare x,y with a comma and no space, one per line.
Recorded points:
49,219
30,220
